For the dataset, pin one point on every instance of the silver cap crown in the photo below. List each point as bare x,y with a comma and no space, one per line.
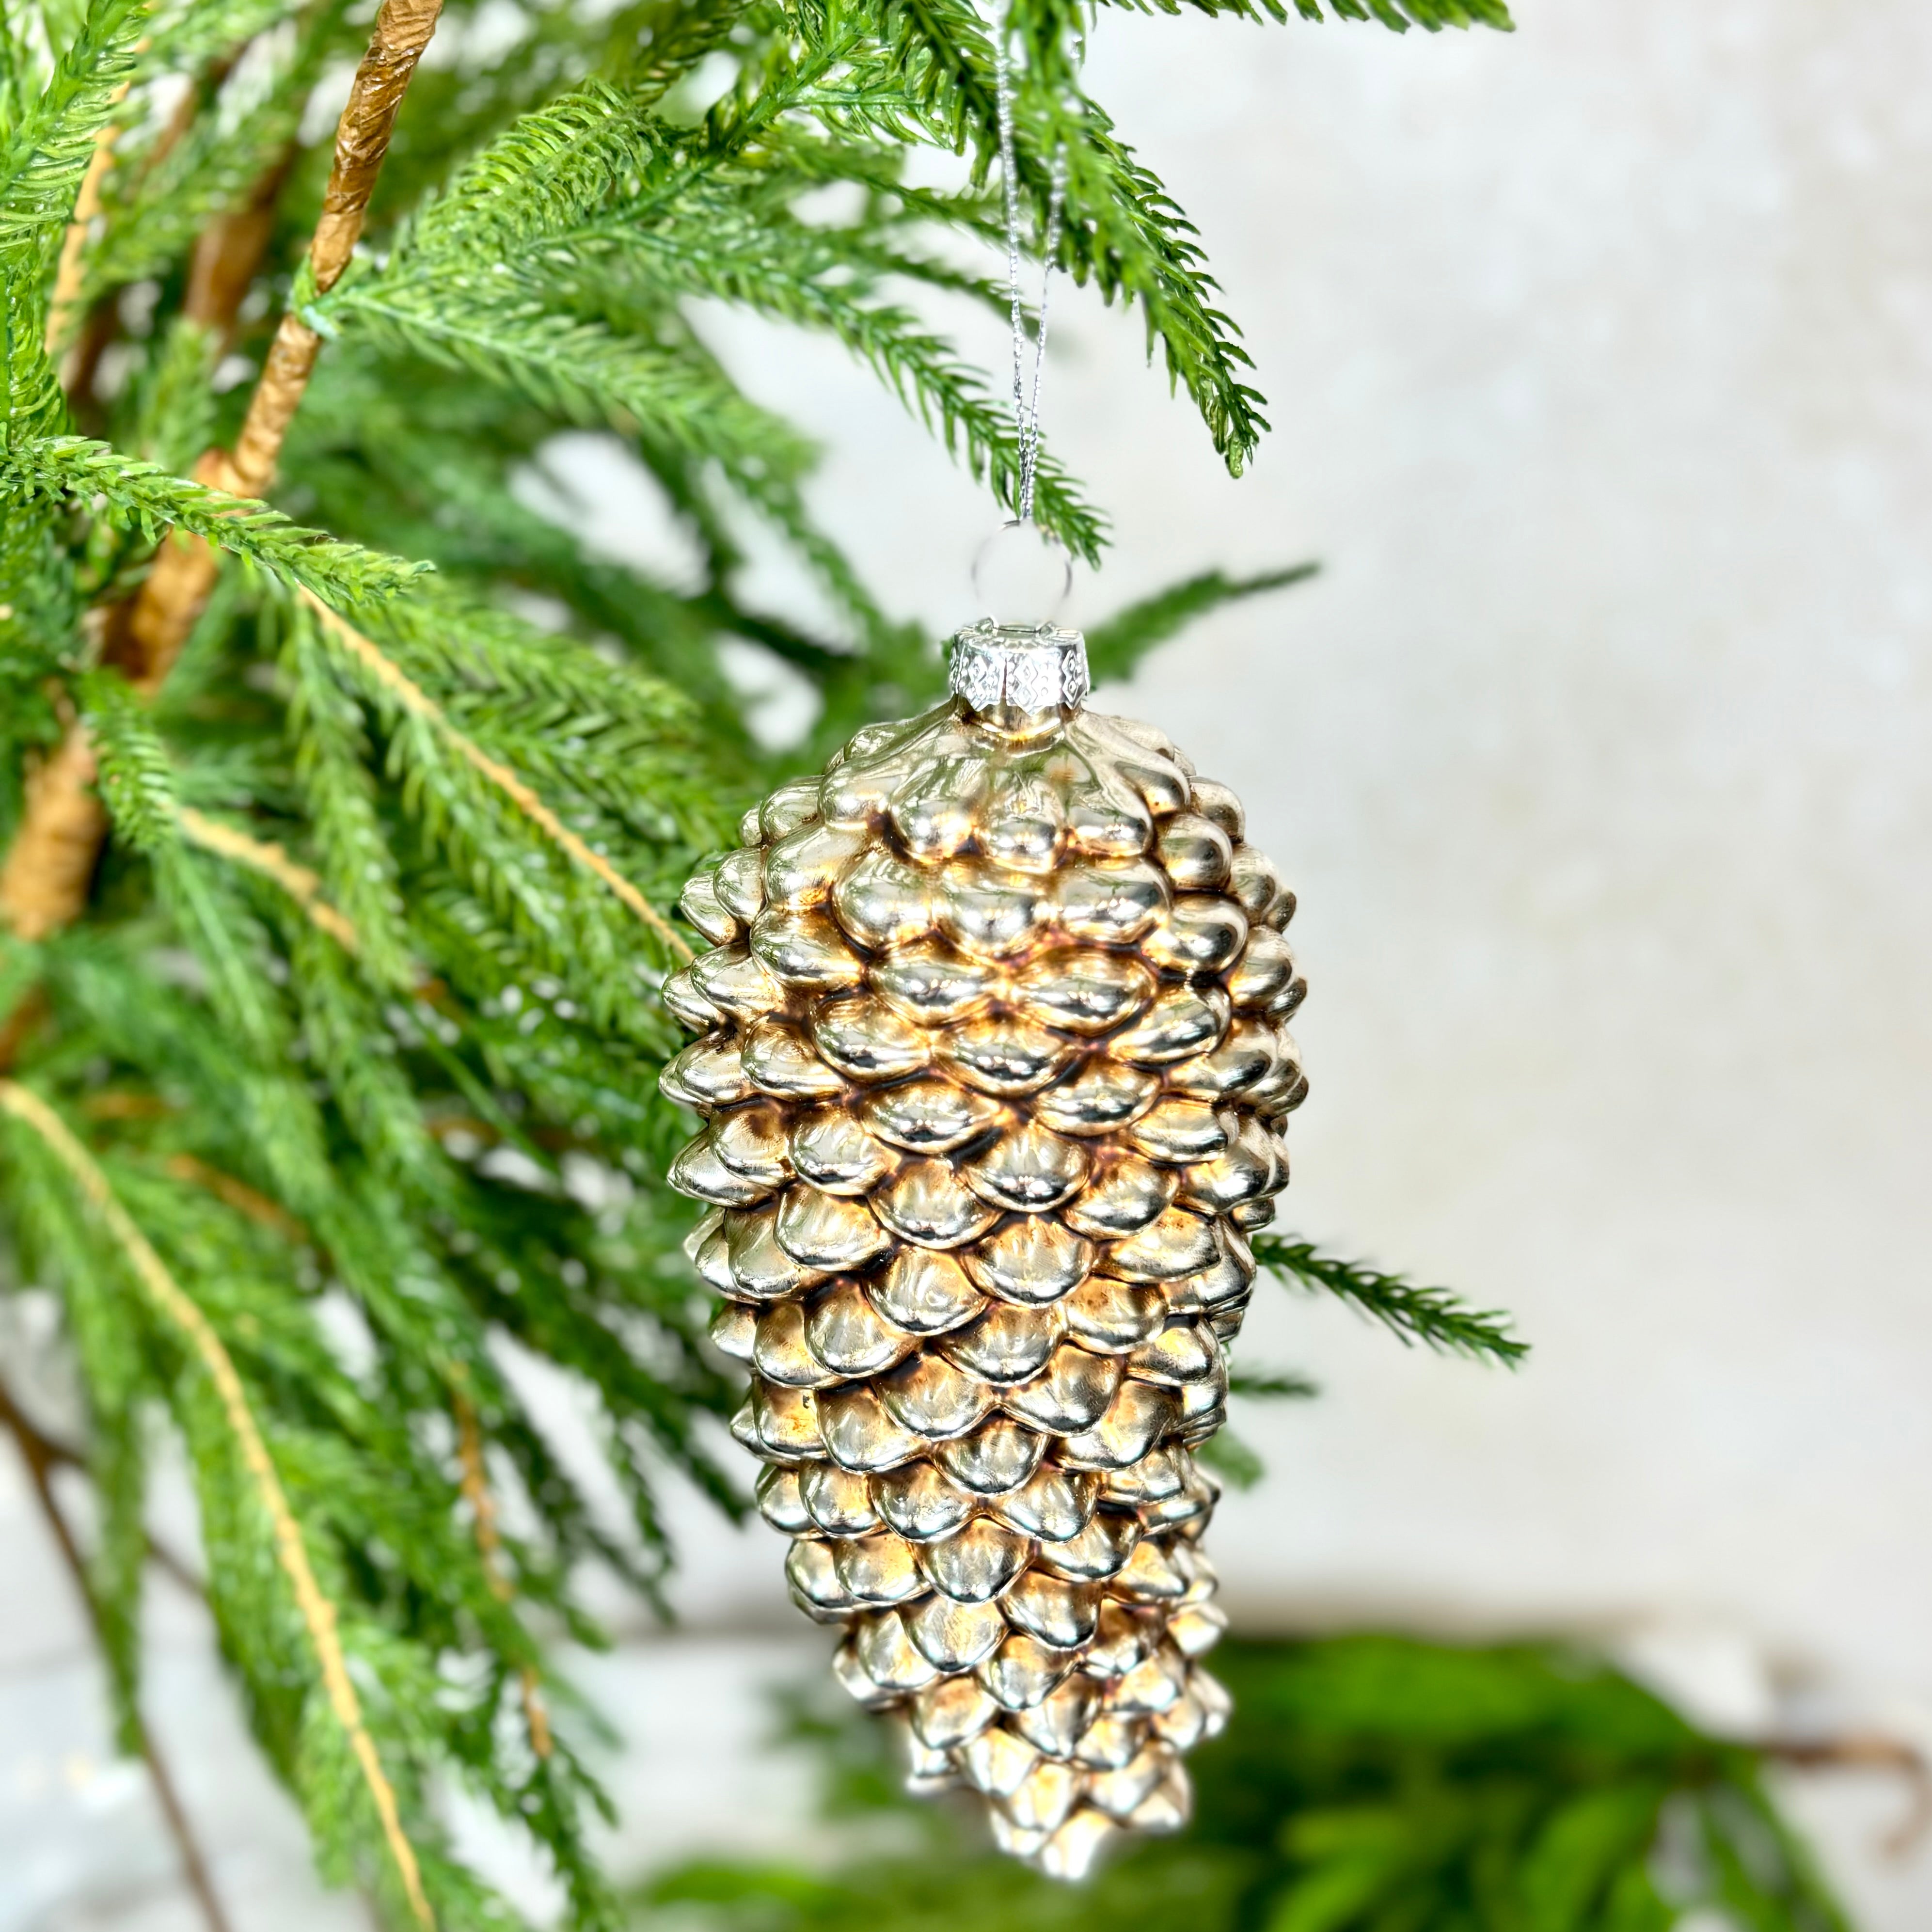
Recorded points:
1030,667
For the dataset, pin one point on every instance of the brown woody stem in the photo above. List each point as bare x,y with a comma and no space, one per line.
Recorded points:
177,589
41,1457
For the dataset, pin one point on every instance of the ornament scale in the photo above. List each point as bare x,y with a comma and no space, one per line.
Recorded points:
994,1069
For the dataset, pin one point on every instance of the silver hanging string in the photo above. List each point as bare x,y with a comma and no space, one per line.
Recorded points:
1026,395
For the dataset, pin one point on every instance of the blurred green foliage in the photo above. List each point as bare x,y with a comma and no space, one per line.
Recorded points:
1368,1783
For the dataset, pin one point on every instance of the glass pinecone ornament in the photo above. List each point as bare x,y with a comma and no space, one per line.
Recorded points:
994,1075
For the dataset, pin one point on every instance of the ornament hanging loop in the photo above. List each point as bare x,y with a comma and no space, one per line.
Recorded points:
1022,574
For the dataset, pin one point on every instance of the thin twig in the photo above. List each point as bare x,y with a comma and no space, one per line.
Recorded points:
300,884
22,1024
489,1548
412,697
36,1443
1868,1751
41,1457
237,1194
319,1614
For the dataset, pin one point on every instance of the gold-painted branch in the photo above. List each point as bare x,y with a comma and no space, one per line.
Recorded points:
362,136
265,856
412,697
318,1613
44,877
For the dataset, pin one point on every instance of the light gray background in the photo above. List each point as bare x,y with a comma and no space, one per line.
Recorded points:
1601,363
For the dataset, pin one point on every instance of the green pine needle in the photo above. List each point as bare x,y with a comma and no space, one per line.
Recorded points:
1116,645
1431,1315
136,776
139,496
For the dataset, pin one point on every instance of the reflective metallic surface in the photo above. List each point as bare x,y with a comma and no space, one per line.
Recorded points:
994,1069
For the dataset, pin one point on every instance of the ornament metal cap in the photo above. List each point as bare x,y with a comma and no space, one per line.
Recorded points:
1026,667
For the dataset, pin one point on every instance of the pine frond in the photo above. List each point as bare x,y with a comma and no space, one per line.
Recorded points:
489,325
44,153
779,268
136,776
182,33
1122,228
319,1616
1271,1386
170,190
1228,1456
392,686
546,173
141,497
172,415
1118,643
1433,15
271,862
1432,1315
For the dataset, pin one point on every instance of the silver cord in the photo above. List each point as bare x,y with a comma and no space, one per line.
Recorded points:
1026,398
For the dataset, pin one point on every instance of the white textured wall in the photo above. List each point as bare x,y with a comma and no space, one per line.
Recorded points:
1601,363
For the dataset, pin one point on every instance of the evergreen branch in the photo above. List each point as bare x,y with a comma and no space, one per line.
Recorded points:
1232,1458
1272,1386
550,170
46,155
188,31
1432,15
489,1551
332,760
69,274
1115,646
319,1614
270,860
237,1194
215,177
171,420
1433,1315
584,371
139,496
411,697
784,271
1121,227
651,46
135,777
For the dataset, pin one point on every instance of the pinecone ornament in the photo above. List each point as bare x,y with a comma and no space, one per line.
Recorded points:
994,1076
